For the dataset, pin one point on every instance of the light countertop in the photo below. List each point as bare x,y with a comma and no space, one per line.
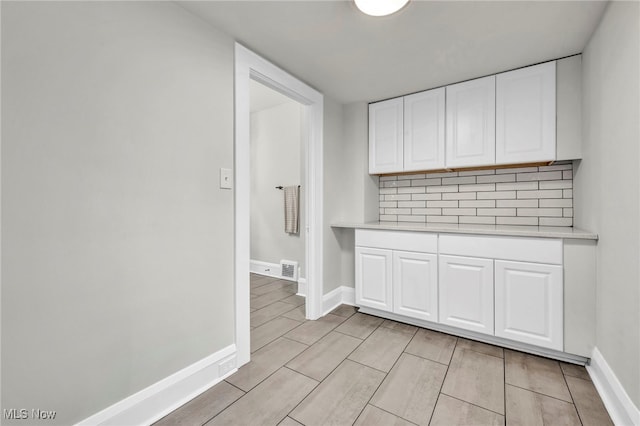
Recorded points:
509,230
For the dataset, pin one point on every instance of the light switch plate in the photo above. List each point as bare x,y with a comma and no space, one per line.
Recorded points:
225,179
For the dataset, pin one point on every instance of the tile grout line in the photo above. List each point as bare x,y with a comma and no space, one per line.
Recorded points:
443,380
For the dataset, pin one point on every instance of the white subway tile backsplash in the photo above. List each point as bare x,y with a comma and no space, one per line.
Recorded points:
429,211
458,212
517,221
448,203
540,212
556,221
412,218
458,195
409,177
497,178
518,203
556,202
478,187
487,220
447,188
442,219
498,195
459,180
396,183
518,186
511,196
411,204
436,196
497,212
548,193
397,197
477,203
528,177
397,211
556,184
426,182
412,190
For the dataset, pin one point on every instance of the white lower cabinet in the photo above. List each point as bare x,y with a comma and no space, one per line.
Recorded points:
373,278
529,303
466,293
415,285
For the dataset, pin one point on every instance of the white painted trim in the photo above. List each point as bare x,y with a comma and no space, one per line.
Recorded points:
264,268
618,403
156,401
302,287
249,65
338,296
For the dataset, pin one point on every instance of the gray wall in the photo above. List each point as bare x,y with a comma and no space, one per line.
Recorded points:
275,160
117,265
607,185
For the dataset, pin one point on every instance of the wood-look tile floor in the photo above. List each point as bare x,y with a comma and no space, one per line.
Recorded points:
349,368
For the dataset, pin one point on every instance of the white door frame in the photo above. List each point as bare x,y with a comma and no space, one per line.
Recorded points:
248,66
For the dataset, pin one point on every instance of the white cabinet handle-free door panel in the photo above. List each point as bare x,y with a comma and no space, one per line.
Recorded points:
471,123
415,285
466,293
386,136
373,278
526,115
529,303
424,130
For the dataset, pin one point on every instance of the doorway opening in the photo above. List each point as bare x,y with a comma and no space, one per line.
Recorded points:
248,67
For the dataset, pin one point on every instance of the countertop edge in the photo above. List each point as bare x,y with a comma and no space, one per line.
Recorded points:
498,230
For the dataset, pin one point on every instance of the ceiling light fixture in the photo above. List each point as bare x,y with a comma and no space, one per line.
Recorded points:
380,7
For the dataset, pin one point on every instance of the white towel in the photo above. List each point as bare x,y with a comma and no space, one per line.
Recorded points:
291,209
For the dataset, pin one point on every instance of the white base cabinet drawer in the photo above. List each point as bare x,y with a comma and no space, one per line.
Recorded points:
466,293
415,285
373,278
529,303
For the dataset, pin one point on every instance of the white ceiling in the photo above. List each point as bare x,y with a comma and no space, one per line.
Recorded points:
353,57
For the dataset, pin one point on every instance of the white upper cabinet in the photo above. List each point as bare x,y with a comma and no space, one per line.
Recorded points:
424,130
526,115
471,108
385,136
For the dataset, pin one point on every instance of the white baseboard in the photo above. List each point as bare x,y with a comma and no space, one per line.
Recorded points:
264,268
302,287
622,410
341,295
153,403
268,269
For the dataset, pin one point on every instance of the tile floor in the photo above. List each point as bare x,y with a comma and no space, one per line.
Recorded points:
349,368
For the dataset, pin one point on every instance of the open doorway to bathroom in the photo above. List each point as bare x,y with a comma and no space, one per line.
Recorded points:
277,213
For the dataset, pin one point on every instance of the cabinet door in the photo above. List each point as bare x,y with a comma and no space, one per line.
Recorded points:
415,285
471,124
526,115
466,293
529,303
373,278
424,130
385,136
